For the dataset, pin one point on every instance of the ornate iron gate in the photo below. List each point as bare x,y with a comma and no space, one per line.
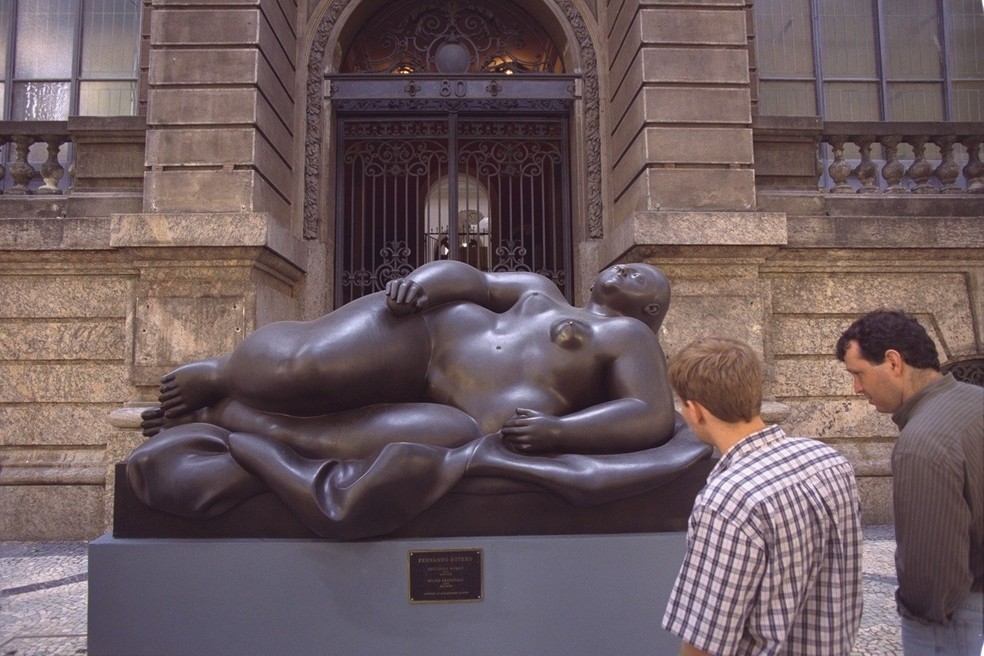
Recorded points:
489,190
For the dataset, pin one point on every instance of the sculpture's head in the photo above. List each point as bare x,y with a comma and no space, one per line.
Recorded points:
634,290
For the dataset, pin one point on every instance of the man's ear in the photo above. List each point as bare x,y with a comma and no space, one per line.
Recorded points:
696,410
894,360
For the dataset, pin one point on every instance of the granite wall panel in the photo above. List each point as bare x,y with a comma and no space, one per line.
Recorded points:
51,512
46,424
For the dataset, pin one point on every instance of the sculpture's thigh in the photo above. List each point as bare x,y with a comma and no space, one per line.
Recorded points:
358,355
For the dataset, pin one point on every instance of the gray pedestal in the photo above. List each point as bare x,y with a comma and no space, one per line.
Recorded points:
571,595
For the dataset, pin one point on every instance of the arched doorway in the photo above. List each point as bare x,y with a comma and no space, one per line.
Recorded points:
452,141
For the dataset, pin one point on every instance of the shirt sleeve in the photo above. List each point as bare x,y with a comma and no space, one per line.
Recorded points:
932,532
717,583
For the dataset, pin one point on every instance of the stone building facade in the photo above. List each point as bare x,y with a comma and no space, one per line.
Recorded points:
215,210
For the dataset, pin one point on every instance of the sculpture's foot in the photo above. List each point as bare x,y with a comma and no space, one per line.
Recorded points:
191,387
154,420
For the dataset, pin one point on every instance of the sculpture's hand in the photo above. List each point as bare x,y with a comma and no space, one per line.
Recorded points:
404,296
529,431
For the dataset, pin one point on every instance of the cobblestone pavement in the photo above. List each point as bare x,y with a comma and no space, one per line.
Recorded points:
43,587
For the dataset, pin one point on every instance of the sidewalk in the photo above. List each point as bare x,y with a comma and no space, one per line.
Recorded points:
43,603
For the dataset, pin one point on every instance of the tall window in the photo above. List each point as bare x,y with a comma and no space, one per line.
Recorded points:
871,60
62,58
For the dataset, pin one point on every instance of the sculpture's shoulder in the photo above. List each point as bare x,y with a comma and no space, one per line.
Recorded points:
627,333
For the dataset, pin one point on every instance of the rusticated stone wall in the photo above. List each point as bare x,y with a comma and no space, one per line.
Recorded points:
63,352
94,311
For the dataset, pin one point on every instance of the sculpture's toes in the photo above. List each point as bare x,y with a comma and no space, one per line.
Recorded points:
152,421
190,387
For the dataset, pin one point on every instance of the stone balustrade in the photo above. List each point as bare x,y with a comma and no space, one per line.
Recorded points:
24,174
919,172
806,153
82,154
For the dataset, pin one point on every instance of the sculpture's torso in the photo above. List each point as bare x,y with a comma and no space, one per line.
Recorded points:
539,354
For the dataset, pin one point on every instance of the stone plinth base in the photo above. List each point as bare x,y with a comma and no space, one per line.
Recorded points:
576,595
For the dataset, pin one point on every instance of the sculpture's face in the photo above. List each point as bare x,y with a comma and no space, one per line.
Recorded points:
632,290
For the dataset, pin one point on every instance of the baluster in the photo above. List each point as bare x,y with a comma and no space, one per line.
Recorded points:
974,171
866,171
52,170
893,169
21,172
948,171
3,169
839,170
920,169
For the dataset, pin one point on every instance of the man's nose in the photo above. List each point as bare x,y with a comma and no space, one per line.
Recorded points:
857,387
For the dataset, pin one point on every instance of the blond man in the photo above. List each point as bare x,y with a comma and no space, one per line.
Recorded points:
773,562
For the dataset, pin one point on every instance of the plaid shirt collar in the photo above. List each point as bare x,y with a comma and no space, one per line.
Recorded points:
750,443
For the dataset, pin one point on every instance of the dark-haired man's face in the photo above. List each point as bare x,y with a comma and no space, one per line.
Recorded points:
875,381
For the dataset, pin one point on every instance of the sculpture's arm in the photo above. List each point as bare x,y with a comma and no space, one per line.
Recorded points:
445,281
640,414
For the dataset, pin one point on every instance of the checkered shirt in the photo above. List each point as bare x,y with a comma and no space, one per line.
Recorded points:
773,563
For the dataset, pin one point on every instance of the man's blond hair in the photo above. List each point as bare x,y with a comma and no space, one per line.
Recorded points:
724,375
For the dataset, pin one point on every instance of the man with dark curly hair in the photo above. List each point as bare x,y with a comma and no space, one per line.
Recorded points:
937,480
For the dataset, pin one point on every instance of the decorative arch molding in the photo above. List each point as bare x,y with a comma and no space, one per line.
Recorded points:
318,65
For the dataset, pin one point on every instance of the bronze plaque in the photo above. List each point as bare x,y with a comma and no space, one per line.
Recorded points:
444,576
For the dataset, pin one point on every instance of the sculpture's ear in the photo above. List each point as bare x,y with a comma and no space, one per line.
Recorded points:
652,309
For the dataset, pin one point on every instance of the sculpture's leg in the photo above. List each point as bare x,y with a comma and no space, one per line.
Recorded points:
358,433
359,353
587,480
335,363
188,471
352,499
